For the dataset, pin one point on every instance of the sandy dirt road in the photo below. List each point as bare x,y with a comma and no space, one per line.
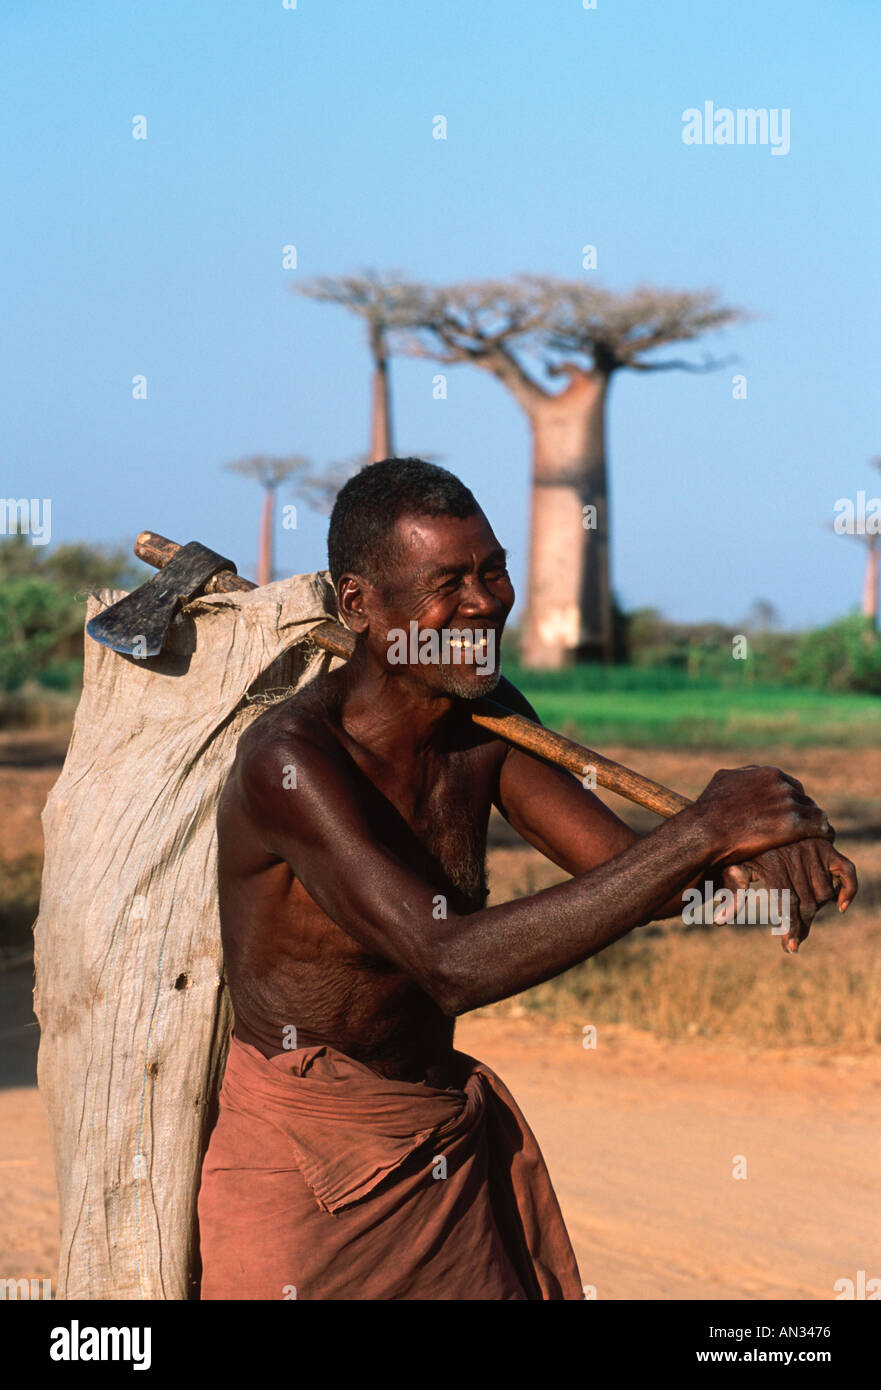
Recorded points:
640,1137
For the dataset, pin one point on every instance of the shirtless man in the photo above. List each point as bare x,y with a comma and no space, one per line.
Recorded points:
358,806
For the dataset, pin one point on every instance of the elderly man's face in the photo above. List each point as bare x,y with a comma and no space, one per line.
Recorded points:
450,578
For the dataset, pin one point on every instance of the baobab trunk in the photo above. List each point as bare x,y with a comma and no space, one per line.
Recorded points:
569,599
264,557
380,415
870,582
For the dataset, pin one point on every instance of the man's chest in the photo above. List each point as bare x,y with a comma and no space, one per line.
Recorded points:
436,817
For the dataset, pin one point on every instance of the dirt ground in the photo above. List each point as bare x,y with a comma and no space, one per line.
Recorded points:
643,1137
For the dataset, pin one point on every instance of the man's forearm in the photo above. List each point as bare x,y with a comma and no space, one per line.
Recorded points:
674,905
503,950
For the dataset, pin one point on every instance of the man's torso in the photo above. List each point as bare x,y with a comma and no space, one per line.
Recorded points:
288,964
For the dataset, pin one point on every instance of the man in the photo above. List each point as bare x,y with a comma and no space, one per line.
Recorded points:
358,1154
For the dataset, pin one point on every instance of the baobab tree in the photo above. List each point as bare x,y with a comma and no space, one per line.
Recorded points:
869,606
384,302
319,489
270,472
533,333
872,541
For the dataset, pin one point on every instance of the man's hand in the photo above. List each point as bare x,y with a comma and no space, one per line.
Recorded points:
813,871
749,810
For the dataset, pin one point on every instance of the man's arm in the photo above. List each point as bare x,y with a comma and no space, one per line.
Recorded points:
574,829
562,819
462,962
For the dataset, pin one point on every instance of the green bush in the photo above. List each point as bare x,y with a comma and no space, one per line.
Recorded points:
42,608
36,618
846,655
62,675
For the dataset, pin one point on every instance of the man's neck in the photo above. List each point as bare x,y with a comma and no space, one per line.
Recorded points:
395,715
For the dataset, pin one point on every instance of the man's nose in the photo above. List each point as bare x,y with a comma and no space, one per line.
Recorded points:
478,601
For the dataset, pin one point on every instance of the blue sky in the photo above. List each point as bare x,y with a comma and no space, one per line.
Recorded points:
313,126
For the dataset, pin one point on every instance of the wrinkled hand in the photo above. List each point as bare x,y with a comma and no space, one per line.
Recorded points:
813,871
749,810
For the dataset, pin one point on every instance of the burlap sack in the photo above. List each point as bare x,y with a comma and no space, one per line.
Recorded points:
129,991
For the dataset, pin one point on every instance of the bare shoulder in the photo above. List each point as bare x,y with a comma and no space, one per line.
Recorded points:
299,728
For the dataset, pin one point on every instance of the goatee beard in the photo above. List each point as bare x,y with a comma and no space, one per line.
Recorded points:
474,689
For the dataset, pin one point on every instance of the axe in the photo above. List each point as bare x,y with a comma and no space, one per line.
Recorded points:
138,623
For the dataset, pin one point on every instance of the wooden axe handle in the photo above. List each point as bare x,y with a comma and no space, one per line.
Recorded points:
157,550
513,728
574,757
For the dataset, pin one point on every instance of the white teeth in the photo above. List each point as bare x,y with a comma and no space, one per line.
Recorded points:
466,648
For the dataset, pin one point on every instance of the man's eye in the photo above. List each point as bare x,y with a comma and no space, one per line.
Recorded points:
500,572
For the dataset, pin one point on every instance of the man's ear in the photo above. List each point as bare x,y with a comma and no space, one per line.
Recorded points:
350,594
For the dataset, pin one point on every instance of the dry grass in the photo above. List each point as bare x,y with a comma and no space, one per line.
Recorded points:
33,707
733,983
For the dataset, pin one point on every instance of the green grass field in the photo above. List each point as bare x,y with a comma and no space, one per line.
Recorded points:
647,706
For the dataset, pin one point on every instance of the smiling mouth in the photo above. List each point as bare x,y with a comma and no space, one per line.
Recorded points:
477,644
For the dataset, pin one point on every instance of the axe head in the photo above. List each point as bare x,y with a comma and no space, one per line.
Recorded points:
138,623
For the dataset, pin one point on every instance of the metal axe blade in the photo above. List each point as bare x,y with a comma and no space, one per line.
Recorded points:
137,624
